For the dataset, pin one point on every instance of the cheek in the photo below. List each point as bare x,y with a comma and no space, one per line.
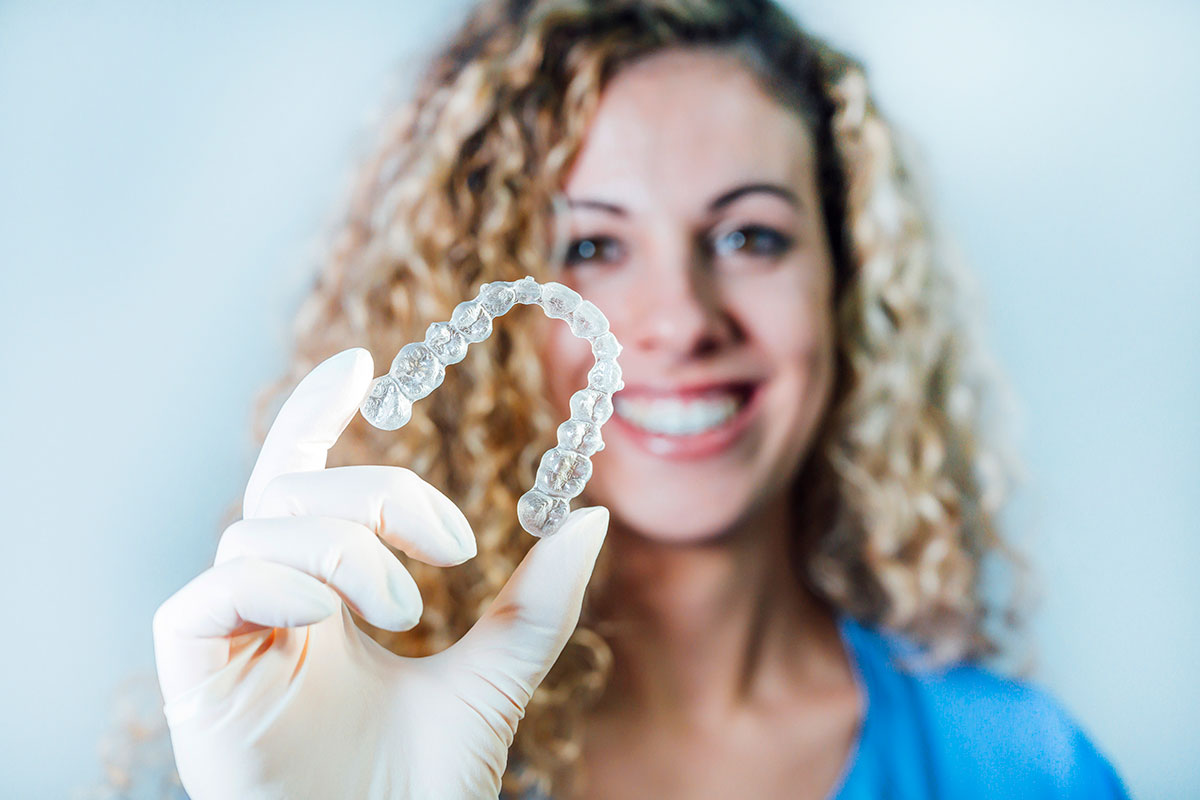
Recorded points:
790,319
793,326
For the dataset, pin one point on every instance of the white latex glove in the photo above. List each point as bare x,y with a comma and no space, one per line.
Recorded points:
272,691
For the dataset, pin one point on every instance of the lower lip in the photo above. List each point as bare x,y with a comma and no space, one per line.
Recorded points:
693,446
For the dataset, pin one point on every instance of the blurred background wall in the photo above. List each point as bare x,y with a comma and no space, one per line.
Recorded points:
166,173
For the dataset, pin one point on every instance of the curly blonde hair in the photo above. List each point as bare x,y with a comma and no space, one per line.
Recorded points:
901,491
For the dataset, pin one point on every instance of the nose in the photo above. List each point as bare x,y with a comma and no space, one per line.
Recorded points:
677,308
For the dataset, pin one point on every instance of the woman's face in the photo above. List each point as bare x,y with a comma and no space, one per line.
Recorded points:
696,227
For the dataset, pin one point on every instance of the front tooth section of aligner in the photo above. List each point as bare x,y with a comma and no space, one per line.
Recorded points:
582,437
563,473
541,514
497,298
527,291
591,406
588,321
472,320
605,377
417,370
386,407
558,301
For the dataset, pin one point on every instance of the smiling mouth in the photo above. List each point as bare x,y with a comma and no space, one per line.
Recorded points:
684,414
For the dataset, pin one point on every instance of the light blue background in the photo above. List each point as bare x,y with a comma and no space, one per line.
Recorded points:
166,174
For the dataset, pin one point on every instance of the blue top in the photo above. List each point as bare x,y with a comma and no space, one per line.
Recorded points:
959,731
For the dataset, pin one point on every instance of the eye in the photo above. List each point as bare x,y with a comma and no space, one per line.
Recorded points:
593,249
756,240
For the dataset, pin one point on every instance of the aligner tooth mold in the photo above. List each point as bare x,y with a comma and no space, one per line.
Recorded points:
386,406
420,367
417,370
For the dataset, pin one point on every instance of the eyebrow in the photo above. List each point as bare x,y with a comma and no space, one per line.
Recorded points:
716,205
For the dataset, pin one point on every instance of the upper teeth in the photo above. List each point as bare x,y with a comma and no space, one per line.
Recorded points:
676,415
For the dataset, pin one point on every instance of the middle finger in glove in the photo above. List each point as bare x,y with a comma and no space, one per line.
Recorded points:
394,502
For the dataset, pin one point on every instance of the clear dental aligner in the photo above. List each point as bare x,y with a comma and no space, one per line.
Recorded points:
420,367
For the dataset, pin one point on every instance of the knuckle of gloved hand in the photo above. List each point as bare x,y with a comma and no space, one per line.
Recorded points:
232,542
277,499
398,480
333,559
348,542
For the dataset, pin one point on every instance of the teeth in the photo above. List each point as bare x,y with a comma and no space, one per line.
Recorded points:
676,416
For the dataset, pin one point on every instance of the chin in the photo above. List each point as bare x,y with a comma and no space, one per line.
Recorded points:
673,519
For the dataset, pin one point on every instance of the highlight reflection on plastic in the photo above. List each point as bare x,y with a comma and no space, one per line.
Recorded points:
420,367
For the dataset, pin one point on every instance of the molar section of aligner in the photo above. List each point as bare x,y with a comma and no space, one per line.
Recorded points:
386,406
417,370
563,473
472,320
446,342
591,405
560,302
582,437
541,514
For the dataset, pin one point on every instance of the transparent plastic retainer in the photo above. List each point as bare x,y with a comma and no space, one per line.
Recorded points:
420,367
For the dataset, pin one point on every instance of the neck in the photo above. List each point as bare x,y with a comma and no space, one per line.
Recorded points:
701,631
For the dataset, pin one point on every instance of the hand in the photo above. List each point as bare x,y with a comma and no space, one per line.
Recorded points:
272,691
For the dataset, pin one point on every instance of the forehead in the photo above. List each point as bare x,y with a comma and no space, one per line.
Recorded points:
680,127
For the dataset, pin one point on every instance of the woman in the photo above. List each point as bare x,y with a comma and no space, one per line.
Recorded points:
788,520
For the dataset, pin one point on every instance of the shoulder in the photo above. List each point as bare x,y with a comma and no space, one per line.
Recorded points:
978,730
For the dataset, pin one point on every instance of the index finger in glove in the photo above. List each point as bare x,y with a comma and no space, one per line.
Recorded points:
310,421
